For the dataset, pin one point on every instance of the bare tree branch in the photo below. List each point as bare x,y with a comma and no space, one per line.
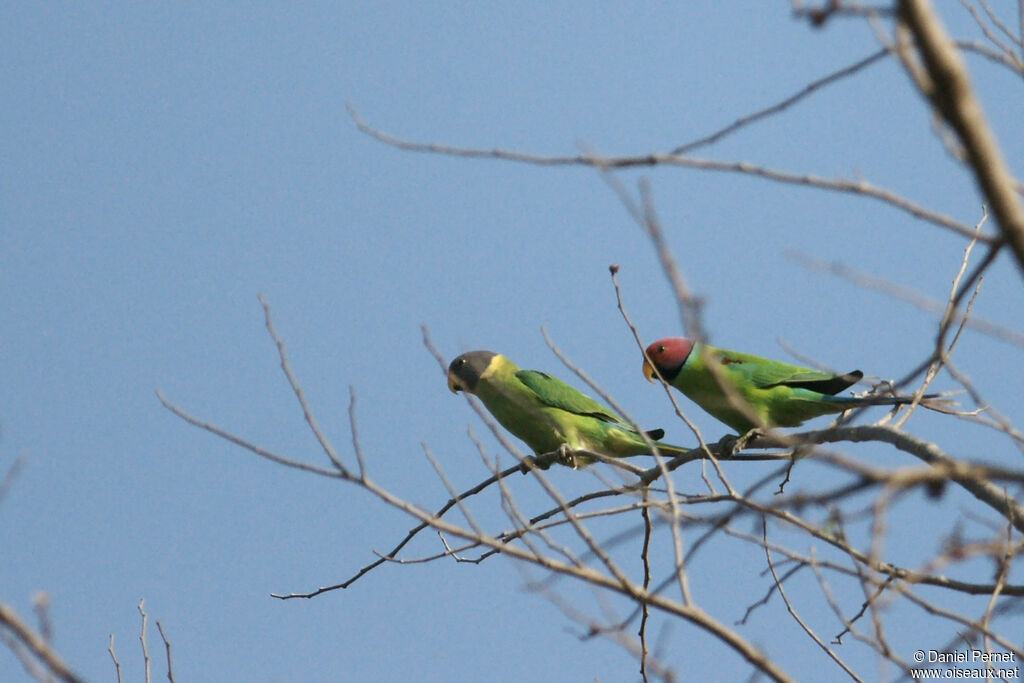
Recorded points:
789,607
36,645
854,187
976,484
595,536
167,648
142,639
113,656
810,88
949,90
908,294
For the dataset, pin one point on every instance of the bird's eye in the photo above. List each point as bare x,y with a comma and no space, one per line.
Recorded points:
661,348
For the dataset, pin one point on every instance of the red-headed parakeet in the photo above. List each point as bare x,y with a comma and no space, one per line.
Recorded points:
778,394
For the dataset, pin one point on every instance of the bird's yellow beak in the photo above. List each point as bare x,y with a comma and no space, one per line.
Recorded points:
648,371
453,384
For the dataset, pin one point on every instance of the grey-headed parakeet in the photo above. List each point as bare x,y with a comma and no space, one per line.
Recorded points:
544,411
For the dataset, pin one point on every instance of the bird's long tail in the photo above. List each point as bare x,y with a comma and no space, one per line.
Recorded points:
938,402
668,449
665,448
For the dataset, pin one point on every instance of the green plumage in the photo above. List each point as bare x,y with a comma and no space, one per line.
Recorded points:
750,391
544,411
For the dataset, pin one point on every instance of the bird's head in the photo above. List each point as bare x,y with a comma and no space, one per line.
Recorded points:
465,371
666,356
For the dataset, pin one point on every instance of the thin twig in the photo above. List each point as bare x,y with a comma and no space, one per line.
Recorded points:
908,294
793,613
949,89
247,445
855,187
393,553
982,489
13,470
113,656
992,37
142,639
783,104
660,462
167,647
645,560
36,645
297,389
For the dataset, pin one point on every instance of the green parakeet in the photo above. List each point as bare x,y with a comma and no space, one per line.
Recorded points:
779,394
545,412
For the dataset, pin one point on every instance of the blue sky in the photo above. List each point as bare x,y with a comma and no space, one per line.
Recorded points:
163,165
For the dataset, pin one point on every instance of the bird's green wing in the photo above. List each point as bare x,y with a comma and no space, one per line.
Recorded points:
765,374
557,394
824,382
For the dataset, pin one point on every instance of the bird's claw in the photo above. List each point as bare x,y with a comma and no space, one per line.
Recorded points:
730,444
567,456
564,455
745,440
727,445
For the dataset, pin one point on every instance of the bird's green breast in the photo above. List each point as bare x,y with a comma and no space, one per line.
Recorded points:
517,408
545,427
750,379
695,379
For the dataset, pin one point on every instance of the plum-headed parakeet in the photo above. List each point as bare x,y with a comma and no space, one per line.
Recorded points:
778,394
544,411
